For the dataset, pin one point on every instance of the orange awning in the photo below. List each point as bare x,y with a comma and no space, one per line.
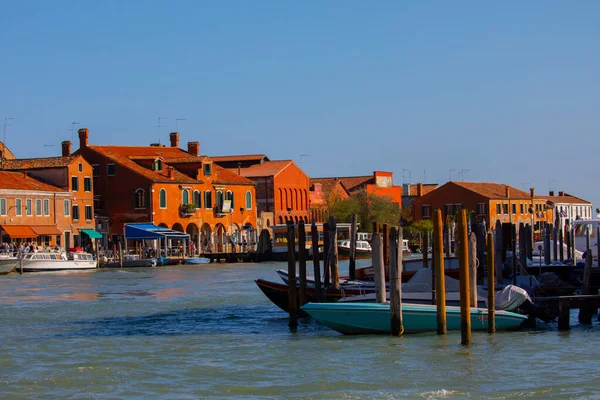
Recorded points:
19,231
46,230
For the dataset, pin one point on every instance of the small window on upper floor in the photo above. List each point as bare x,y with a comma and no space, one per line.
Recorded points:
426,211
110,169
157,165
87,184
207,169
80,166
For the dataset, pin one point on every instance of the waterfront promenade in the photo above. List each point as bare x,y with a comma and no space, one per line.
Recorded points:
191,332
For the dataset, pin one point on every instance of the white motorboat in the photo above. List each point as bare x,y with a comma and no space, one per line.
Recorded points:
47,261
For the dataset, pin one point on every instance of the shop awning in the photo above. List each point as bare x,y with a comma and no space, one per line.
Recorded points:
150,231
19,231
92,233
46,230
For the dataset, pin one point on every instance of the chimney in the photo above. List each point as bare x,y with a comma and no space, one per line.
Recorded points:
194,148
240,169
83,137
507,192
551,193
532,192
170,172
561,193
66,148
174,136
419,189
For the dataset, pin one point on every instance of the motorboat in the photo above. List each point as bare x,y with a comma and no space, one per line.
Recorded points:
57,261
8,263
362,250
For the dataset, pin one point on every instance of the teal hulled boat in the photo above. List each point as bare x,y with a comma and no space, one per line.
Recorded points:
362,318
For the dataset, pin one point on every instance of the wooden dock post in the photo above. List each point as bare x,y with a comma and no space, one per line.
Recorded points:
386,237
302,261
473,267
352,262
424,250
465,307
333,250
440,279
555,239
547,231
572,245
291,249
586,309
120,256
395,257
378,267
448,240
326,244
561,249
315,250
522,245
491,284
499,250
20,263
564,314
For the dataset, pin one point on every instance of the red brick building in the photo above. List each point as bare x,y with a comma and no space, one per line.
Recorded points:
170,187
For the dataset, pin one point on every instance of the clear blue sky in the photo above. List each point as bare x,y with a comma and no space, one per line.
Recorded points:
506,91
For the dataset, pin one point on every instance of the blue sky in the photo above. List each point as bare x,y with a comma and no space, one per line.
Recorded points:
505,91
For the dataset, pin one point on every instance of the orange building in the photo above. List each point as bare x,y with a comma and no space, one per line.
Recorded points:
491,202
70,173
173,188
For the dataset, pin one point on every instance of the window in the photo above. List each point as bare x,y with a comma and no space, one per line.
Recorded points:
80,166
46,207
95,170
498,208
185,197
208,199
88,213
219,200
248,200
18,207
110,169
448,209
74,183
480,208
505,206
75,211
229,196
2,206
67,208
207,169
196,199
514,208
87,184
522,208
162,198
28,207
426,211
38,207
139,199
157,165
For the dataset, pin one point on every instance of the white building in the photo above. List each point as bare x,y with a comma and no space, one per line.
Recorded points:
569,207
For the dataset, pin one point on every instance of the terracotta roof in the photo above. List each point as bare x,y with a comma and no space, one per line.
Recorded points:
353,183
20,181
37,163
245,157
223,175
268,168
427,187
327,184
6,153
567,198
493,190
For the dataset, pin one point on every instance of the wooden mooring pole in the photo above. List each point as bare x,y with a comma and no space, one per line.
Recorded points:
473,268
120,256
440,279
465,307
352,262
315,250
586,308
395,256
386,237
491,284
326,270
333,253
564,314
378,267
424,248
292,302
302,261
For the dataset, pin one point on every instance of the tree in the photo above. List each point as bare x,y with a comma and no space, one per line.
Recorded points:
368,208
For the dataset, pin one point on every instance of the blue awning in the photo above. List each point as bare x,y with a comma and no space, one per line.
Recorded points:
150,232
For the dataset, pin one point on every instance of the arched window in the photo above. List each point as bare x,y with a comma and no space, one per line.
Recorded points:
185,197
281,220
305,205
139,199
280,198
248,200
163,198
284,206
208,199
196,199
219,200
229,196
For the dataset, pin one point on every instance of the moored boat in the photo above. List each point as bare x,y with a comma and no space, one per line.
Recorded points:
7,264
196,260
368,318
49,261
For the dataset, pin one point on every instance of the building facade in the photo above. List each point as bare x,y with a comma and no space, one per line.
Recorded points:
568,207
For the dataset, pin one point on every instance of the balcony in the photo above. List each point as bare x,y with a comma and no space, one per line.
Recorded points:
187,210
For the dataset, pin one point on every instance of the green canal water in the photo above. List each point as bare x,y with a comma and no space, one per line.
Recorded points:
193,332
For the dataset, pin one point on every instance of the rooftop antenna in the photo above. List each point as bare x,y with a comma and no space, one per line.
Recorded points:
159,126
176,123
301,158
450,173
409,175
4,129
461,174
73,130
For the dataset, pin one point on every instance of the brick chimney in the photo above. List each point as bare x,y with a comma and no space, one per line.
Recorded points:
240,169
170,172
66,148
419,189
194,148
551,193
561,193
532,192
507,192
83,137
174,136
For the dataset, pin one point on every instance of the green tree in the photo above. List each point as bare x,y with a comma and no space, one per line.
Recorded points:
368,208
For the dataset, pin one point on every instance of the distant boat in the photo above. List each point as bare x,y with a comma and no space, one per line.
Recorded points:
368,318
131,261
48,261
362,250
196,260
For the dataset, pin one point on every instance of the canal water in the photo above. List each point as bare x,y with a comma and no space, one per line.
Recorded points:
193,332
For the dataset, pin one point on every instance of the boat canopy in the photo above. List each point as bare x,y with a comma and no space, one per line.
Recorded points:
148,231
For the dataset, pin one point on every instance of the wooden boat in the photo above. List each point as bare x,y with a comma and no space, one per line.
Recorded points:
363,318
47,261
7,264
196,260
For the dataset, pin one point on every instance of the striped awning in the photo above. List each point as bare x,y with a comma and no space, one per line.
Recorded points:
19,231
